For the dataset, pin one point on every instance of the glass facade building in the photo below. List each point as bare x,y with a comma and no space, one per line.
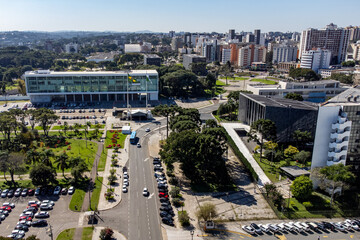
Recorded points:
47,86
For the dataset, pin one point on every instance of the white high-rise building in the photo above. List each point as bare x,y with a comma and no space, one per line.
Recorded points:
284,53
331,38
226,55
316,59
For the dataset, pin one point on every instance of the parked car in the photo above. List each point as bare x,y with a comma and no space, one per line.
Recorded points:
24,192
305,226
24,222
31,192
124,189
5,193
71,190
312,226
39,223
48,202
17,192
256,228
248,229
274,228
64,191
10,193
264,227
352,224
7,204
138,145
22,227
57,190
34,202
42,215
45,206
329,225
37,191
147,130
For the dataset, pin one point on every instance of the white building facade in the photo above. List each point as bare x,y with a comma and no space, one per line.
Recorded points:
316,59
226,55
284,53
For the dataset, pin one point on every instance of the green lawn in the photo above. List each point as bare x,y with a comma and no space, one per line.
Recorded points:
95,196
77,200
265,81
119,140
273,78
235,78
67,234
220,83
87,233
102,161
101,126
61,127
19,183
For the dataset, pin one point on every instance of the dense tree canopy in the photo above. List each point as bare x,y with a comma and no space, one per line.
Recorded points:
302,187
307,74
294,96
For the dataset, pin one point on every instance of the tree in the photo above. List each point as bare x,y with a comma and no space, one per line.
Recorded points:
198,68
210,81
210,123
301,138
165,111
4,162
294,96
343,78
32,156
348,64
21,87
302,188
302,157
7,124
45,155
226,70
106,234
184,218
62,162
307,74
290,152
207,211
260,130
336,175
78,167
45,117
42,175
16,164
65,127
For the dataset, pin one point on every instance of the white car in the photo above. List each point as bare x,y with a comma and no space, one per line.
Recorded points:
281,227
48,202
264,227
126,182
71,190
274,228
147,130
145,192
338,226
346,225
124,189
42,215
352,224
12,205
45,206
248,229
298,227
138,145
34,202
289,227
305,226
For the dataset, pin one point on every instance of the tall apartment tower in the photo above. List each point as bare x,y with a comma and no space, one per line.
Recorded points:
257,34
354,33
171,34
331,37
232,33
316,59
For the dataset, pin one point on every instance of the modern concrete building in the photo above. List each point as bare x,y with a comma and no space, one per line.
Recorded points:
354,33
315,91
284,53
188,59
49,86
353,53
232,33
288,115
286,66
132,48
251,53
257,35
152,59
316,59
337,138
226,55
176,43
331,38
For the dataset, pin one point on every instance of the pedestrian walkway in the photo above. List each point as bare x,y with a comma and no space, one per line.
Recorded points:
122,158
230,129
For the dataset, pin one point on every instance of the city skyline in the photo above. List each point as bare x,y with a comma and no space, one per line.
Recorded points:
199,16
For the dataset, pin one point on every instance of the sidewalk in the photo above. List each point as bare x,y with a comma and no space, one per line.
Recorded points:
122,158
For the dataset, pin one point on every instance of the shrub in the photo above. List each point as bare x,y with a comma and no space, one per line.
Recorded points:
177,202
173,181
307,204
302,187
106,234
184,218
174,192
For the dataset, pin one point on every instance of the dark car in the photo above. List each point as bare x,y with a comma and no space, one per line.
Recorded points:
39,223
328,225
24,192
22,227
32,209
164,214
37,191
31,192
164,200
163,208
17,192
256,227
64,191
167,221
10,193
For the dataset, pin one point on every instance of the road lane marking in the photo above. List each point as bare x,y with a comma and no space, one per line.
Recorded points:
325,236
351,236
151,195
281,237
146,159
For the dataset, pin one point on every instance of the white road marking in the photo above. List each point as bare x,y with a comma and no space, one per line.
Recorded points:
146,159
151,195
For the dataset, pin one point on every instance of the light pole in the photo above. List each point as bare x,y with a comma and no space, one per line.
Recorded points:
49,232
192,234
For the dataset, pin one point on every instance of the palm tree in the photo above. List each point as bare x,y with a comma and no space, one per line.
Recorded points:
32,156
62,162
88,124
76,129
65,128
45,157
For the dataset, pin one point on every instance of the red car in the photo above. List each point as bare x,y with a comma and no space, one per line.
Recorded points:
163,195
6,208
31,192
33,205
27,218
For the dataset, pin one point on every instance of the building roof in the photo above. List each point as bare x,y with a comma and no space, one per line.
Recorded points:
39,73
151,56
349,97
281,102
295,171
103,55
193,56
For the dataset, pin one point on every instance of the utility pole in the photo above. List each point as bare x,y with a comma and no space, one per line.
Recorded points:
49,232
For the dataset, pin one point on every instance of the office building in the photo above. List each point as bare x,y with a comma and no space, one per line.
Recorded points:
132,48
286,66
353,53
284,53
337,138
176,43
49,86
250,38
187,39
152,59
171,34
314,91
327,72
288,115
226,55
257,36
188,59
331,38
211,50
357,76
316,59
232,33
251,53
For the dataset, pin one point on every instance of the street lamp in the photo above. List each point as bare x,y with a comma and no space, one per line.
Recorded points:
192,234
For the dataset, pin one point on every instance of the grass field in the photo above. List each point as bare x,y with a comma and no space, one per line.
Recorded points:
265,81
95,196
220,83
87,233
235,78
19,183
67,234
77,200
61,127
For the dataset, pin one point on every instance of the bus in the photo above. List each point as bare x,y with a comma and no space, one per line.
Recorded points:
133,137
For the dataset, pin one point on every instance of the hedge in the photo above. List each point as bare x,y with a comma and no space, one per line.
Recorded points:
241,156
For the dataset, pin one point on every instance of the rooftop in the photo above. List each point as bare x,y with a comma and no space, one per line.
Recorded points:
193,56
52,73
281,102
295,171
102,55
151,56
349,97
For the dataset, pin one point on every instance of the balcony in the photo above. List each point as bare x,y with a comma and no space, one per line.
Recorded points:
340,136
341,126
336,155
338,145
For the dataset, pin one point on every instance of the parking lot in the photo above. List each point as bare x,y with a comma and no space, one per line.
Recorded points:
60,217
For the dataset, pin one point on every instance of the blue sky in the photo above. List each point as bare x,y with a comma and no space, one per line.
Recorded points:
184,15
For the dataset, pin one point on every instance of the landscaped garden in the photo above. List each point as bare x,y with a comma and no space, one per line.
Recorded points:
265,81
67,234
